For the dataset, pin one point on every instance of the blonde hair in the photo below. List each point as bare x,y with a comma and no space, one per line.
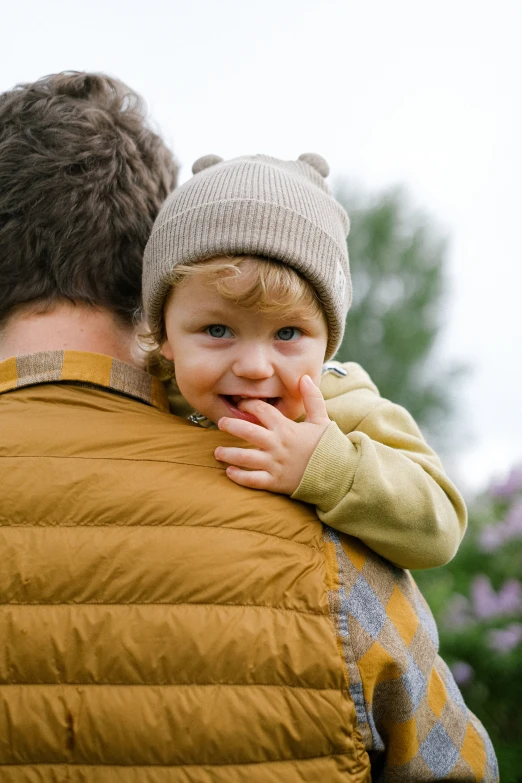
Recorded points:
261,284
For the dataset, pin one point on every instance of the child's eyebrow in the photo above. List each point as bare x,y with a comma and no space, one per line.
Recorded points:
202,314
298,316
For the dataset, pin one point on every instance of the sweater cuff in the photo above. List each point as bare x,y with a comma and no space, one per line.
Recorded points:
330,472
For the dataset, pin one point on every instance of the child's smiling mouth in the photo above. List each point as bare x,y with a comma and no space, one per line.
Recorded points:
235,399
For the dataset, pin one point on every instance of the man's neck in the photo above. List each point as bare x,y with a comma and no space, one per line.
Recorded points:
69,327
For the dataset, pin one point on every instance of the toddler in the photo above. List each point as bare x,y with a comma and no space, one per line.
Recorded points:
246,290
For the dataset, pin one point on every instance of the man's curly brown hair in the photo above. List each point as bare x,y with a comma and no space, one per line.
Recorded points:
82,178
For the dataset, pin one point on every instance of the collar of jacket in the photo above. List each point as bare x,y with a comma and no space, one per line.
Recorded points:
85,369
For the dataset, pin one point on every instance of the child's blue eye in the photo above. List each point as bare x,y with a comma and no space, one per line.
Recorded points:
289,333
218,330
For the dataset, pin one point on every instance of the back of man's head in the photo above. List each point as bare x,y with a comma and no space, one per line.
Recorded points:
82,178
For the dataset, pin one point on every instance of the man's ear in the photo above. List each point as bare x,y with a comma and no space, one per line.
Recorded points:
167,351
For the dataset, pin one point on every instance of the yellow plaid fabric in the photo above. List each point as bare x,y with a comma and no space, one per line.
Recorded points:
85,369
411,714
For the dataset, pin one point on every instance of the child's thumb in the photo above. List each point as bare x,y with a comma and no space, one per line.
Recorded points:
313,401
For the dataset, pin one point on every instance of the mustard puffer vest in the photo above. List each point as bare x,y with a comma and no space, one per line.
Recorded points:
159,624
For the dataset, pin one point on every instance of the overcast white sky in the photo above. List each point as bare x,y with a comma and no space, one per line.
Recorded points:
425,94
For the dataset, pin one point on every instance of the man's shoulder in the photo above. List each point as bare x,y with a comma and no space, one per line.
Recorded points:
74,403
92,454
72,419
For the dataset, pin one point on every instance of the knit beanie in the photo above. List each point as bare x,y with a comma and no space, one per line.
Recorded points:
260,206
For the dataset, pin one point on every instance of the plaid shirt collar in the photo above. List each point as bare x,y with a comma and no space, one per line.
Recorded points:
86,369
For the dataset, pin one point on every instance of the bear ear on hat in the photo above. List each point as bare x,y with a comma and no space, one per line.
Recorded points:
205,162
316,162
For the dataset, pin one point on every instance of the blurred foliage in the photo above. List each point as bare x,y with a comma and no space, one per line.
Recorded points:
477,601
397,260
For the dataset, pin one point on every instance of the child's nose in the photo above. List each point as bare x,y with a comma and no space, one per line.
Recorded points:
253,361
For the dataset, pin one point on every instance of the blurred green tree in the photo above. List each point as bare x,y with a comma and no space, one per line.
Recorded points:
397,260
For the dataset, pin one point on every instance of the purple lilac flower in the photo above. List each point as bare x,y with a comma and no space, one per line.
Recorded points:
509,597
483,597
505,639
491,538
487,603
462,672
513,521
509,487
494,536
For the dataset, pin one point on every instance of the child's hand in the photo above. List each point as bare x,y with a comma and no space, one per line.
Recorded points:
284,447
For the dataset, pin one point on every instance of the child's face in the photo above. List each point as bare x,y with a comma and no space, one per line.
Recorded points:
223,352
